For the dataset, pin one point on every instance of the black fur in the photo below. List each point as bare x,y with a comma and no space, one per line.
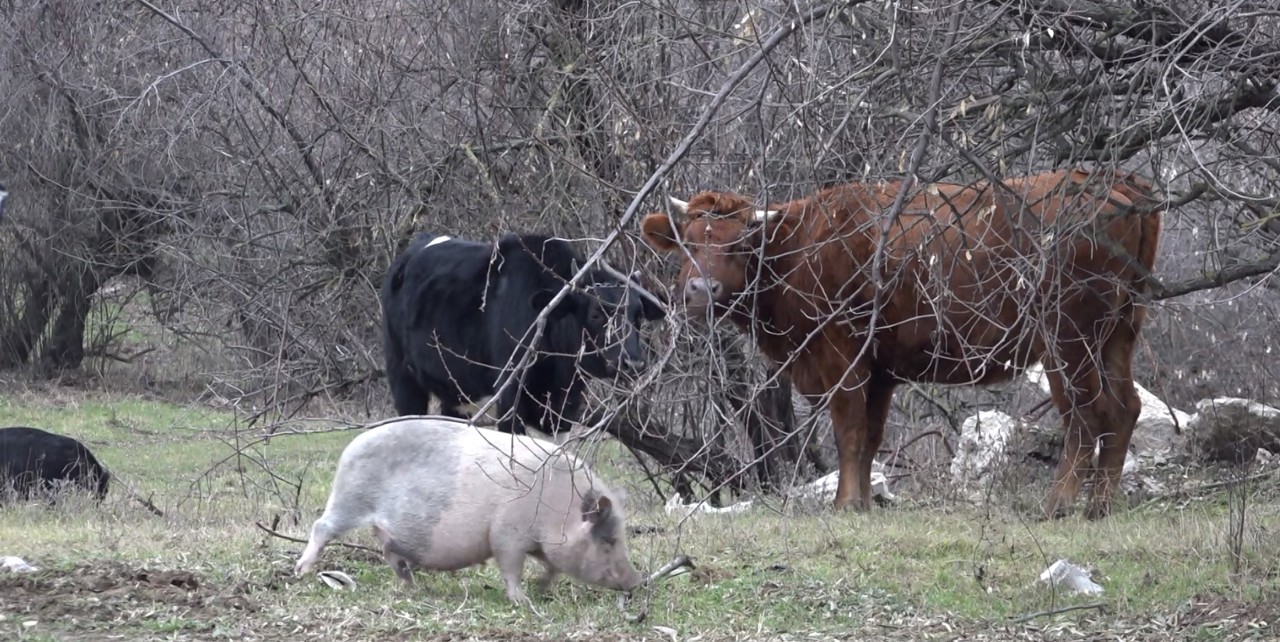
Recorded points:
32,459
456,312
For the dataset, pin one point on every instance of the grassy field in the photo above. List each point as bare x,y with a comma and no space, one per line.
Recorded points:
917,571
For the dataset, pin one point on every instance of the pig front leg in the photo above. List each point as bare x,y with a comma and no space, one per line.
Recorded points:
511,565
549,577
396,555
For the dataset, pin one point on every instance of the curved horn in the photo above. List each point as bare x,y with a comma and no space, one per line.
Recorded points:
680,205
764,215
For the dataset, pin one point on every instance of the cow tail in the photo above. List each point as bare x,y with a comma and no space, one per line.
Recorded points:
1149,230
1143,195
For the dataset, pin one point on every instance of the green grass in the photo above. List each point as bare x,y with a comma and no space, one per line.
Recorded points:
910,572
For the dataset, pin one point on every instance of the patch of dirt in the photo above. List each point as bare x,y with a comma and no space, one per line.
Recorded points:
97,602
1220,612
111,591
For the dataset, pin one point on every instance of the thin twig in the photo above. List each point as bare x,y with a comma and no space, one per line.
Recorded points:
682,561
275,533
1062,609
134,495
1203,488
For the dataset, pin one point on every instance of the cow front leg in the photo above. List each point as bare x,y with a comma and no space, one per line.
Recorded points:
849,423
510,409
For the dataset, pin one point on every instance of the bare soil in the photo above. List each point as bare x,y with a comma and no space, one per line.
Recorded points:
116,601
104,591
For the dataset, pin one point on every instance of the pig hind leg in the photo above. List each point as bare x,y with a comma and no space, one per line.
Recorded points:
330,525
400,560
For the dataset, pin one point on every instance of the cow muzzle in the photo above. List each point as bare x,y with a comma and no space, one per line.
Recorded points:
700,292
634,366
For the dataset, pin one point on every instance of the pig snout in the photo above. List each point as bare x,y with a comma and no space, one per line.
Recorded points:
623,578
632,580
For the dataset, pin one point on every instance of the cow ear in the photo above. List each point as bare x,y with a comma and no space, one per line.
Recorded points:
660,231
765,227
651,310
541,298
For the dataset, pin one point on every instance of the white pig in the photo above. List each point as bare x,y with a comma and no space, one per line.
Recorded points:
443,495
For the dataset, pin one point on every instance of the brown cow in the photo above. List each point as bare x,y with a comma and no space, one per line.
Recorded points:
978,283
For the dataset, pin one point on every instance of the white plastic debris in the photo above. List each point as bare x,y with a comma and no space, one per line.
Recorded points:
823,489
676,505
1064,574
16,564
337,580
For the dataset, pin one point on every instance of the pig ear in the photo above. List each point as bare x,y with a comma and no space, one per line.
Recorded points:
603,510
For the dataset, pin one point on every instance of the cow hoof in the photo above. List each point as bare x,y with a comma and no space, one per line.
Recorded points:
1097,512
851,506
1054,512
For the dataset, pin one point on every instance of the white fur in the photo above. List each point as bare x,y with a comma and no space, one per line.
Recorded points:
443,495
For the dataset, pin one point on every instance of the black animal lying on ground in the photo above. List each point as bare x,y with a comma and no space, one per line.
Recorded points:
34,461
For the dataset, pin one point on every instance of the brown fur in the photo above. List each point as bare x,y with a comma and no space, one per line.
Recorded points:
976,289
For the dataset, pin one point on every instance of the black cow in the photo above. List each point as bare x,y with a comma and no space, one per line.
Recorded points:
32,460
456,311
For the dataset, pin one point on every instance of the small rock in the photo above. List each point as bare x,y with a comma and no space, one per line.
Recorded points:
16,564
981,451
1231,430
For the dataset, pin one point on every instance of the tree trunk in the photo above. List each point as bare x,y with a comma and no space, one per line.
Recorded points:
65,348
18,342
771,425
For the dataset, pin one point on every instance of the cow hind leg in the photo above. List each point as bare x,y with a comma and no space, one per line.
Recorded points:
1118,412
451,408
879,402
406,395
1075,389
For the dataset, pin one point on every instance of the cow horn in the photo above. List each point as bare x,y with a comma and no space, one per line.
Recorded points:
680,205
764,215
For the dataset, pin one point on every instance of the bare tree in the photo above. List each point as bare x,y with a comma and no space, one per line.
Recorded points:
244,174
